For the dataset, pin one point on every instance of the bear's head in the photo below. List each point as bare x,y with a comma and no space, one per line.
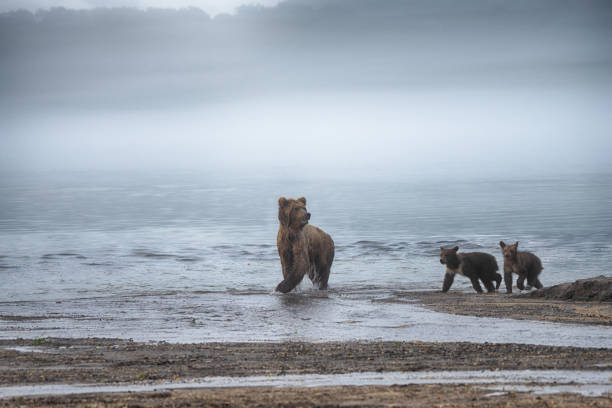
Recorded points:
509,251
292,213
449,256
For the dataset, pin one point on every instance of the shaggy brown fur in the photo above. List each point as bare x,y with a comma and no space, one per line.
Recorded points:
525,264
474,265
302,247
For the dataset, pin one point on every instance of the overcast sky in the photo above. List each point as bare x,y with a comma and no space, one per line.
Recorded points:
351,87
212,7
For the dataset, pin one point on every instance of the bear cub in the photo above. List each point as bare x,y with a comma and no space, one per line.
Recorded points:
525,264
303,248
473,265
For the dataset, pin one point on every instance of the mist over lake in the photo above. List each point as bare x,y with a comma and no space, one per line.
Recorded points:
326,88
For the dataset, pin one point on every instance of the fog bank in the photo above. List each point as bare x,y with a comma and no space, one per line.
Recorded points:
390,88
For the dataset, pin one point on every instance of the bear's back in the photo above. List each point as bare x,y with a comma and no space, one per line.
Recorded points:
529,261
318,240
481,263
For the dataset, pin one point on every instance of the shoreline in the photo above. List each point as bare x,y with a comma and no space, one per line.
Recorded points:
56,360
523,306
100,362
120,372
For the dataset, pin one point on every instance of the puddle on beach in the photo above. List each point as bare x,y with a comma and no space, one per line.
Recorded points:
589,390
592,383
27,349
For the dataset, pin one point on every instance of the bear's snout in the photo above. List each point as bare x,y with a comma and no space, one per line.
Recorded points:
442,262
308,216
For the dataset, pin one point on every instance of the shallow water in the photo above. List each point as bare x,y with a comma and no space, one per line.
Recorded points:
264,316
592,383
189,257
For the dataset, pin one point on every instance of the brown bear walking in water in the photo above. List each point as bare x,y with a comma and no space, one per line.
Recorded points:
303,248
474,265
525,264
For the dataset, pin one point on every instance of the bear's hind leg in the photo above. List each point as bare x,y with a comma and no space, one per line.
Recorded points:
323,277
319,274
498,280
489,285
312,273
520,282
324,269
476,285
535,282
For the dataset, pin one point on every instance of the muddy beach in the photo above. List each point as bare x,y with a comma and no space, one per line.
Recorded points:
585,301
365,396
113,361
512,306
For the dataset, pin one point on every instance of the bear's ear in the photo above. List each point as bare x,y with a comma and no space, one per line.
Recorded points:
302,200
441,248
516,244
456,248
282,202
502,244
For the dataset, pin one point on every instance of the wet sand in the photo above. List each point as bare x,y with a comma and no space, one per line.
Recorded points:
510,306
365,396
116,361
95,361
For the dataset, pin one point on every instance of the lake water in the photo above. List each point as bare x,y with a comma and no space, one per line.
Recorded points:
191,257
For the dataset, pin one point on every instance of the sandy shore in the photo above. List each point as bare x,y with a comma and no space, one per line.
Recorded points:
114,360
366,396
510,306
57,361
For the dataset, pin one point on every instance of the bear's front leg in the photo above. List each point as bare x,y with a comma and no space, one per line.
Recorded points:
289,283
448,281
508,280
294,269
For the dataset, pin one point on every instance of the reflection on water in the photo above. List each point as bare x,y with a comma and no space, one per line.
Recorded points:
163,250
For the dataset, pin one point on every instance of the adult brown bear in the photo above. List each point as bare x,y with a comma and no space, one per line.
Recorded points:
303,248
